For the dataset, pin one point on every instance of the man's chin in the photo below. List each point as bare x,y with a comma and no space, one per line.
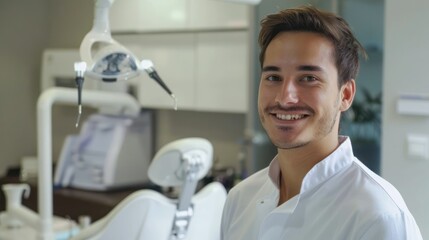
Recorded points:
289,144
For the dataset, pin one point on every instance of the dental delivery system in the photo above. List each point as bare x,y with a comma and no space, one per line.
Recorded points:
105,59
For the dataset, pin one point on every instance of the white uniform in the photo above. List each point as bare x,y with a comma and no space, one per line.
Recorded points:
339,199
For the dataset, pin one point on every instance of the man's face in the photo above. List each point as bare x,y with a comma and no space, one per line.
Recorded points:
299,99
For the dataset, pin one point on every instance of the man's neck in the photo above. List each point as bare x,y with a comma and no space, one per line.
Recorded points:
296,163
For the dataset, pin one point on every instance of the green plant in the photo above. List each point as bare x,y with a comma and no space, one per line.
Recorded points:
363,119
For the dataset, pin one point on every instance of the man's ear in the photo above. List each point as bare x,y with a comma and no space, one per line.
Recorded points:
348,91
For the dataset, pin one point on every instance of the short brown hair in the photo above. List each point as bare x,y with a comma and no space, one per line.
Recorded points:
310,19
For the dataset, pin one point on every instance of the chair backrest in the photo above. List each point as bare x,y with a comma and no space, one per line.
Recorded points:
208,207
147,214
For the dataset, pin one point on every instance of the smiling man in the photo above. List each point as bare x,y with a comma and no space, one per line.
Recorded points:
314,188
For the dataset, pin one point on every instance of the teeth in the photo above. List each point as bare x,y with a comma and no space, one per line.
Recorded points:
289,116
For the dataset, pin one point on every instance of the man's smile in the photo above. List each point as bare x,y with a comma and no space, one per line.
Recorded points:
289,116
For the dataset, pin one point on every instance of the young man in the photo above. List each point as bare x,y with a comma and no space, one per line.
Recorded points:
314,188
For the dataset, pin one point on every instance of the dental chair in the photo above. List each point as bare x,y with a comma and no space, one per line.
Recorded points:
149,215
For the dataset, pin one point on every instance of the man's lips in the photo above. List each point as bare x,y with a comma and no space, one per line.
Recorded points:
291,113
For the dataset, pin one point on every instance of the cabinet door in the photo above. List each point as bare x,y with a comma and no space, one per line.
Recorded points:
222,68
173,57
215,14
148,15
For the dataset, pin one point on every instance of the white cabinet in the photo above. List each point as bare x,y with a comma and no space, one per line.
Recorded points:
176,15
199,48
205,71
222,73
148,15
215,14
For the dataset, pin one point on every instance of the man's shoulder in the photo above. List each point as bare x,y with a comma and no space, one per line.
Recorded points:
252,182
373,190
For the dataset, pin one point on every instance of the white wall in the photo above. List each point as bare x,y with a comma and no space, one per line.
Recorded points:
26,29
23,34
406,65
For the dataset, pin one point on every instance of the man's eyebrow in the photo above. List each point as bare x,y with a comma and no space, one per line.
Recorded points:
270,69
312,68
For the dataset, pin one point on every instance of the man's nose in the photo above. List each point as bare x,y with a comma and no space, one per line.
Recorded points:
288,94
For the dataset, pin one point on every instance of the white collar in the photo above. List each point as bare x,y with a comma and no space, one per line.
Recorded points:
323,170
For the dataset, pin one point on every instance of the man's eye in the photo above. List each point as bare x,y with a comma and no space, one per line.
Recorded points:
273,78
309,79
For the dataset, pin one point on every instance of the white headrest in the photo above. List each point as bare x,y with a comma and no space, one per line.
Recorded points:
169,166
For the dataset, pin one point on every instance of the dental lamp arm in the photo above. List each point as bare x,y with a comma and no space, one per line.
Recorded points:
100,31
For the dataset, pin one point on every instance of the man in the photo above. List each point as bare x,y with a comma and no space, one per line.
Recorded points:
314,188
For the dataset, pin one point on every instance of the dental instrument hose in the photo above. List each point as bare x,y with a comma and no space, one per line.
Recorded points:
80,68
79,84
148,67
154,75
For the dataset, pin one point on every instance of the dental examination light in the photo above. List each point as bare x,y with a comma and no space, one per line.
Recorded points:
148,214
105,59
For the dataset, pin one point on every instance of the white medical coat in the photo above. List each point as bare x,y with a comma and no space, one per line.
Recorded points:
339,199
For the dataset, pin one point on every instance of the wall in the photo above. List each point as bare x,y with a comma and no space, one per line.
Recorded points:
23,31
26,28
405,70
69,21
